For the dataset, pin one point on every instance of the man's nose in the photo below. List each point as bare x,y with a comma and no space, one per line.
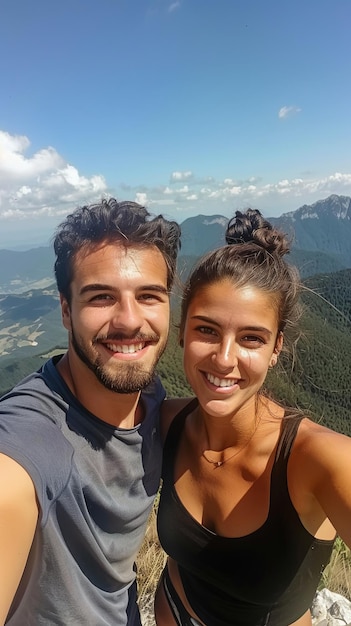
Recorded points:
127,315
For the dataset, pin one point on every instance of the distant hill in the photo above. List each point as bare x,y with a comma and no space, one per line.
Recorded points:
202,233
324,226
30,323
320,233
20,270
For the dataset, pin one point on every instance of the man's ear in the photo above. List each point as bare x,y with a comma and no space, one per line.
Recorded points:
65,312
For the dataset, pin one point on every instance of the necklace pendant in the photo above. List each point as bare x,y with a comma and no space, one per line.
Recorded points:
219,463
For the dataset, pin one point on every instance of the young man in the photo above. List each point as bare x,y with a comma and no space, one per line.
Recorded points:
80,452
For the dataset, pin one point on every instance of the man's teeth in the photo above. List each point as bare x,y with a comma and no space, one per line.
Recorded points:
221,382
125,349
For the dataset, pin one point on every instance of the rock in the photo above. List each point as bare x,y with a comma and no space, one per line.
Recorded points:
330,609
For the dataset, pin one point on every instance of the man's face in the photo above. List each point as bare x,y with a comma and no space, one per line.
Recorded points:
118,318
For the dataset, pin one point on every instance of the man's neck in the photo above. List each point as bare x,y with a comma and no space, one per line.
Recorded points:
118,409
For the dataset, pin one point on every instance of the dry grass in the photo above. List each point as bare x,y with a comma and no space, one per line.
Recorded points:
337,575
151,561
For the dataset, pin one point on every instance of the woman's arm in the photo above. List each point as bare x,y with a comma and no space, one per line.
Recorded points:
323,461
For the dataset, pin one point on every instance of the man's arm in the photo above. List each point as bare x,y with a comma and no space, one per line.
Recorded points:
18,520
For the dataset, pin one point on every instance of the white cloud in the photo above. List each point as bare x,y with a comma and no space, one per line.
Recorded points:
174,6
141,198
288,111
44,186
14,166
176,177
41,184
226,195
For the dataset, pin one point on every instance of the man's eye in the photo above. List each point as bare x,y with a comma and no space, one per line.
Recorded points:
147,296
152,297
101,297
205,330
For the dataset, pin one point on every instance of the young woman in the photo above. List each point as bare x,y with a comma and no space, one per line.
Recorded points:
253,494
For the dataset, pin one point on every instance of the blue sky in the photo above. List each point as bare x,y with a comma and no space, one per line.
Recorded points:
188,106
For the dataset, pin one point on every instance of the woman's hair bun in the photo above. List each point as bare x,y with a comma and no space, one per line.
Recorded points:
251,227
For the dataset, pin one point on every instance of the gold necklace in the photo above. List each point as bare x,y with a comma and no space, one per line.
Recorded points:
219,463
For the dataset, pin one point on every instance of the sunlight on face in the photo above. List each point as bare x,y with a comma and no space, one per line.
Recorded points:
118,317
230,335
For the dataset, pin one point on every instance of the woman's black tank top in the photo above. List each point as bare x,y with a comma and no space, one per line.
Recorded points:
268,577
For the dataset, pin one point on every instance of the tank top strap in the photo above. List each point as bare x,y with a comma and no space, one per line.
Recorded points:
171,443
287,437
279,481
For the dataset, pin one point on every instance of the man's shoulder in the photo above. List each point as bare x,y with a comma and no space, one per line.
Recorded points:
154,392
31,417
32,380
37,383
36,399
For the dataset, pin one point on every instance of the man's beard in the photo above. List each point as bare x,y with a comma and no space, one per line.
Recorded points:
128,378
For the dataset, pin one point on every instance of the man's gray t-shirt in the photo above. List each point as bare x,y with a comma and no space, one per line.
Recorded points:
95,486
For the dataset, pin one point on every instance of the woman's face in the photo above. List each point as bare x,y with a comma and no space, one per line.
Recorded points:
230,340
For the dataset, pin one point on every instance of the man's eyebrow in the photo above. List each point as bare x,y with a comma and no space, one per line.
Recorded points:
104,287
94,287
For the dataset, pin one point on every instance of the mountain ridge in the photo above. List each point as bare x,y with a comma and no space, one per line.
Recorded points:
320,234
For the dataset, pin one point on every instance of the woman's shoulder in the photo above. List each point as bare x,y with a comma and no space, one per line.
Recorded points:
313,435
318,448
318,473
170,408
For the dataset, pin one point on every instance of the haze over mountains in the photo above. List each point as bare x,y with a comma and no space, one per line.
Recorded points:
321,235
30,317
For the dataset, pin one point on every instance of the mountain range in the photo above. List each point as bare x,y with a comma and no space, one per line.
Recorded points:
320,234
30,316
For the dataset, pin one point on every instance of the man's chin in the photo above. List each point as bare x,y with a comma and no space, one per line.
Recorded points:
132,382
119,376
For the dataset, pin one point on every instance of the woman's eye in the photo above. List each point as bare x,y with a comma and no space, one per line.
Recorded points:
252,339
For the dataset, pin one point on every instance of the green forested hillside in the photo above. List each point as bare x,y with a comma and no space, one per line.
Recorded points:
13,369
323,370
318,378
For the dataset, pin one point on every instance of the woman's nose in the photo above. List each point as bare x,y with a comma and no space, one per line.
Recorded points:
226,356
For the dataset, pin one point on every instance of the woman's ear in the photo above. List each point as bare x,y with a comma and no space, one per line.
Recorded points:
277,349
279,343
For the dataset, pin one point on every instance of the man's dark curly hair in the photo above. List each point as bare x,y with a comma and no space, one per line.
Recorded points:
107,222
